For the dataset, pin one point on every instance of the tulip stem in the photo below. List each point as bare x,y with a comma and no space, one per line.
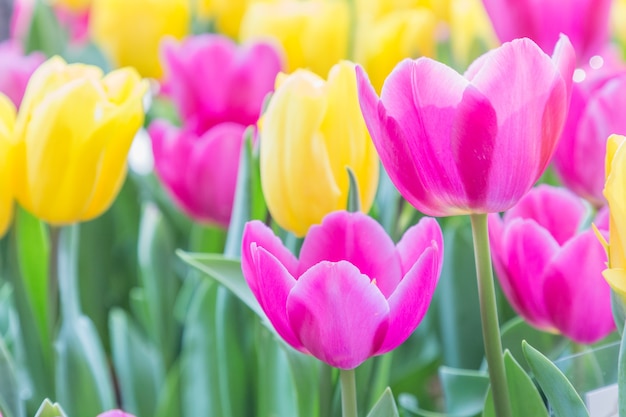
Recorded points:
348,393
489,316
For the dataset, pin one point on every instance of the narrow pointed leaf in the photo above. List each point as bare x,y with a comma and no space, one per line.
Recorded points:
385,407
48,409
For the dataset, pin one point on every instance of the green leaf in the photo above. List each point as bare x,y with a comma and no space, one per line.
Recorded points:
48,409
137,365
619,311
385,407
464,390
10,402
305,373
33,252
515,331
168,404
525,399
354,200
83,381
621,378
45,33
457,299
562,397
226,271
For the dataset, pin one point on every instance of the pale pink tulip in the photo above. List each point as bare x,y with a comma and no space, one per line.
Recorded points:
352,294
473,143
16,69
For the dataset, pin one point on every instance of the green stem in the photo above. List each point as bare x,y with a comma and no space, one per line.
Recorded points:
489,316
53,280
65,250
348,393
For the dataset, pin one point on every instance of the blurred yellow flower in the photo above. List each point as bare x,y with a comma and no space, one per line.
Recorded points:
7,122
311,132
378,8
615,193
314,33
72,134
400,34
618,17
225,14
130,31
471,31
75,5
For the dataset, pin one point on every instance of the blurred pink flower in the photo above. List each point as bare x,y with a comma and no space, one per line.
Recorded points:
212,80
473,143
585,22
597,110
16,69
352,294
549,270
114,413
199,171
75,23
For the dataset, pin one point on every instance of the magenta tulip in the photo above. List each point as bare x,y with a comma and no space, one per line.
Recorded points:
114,413
597,110
585,22
549,270
212,80
199,172
476,143
16,69
352,294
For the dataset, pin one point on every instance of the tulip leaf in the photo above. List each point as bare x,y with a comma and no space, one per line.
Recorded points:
385,406
525,399
227,272
562,397
621,379
515,331
168,404
48,409
10,401
619,311
45,33
137,364
33,252
464,390
354,198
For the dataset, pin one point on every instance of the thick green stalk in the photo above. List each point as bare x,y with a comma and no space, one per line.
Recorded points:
348,393
489,316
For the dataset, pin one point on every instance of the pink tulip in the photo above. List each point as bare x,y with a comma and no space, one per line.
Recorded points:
476,143
585,22
549,270
199,172
75,23
212,80
16,69
597,110
352,294
114,413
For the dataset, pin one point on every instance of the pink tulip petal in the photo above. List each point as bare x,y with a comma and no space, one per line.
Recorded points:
525,249
556,209
276,283
112,413
409,303
339,315
577,296
257,233
519,79
358,239
416,240
392,146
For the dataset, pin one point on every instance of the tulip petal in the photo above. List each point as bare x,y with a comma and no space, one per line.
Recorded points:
525,249
557,210
615,193
358,239
616,278
338,314
409,302
426,233
257,233
573,282
274,284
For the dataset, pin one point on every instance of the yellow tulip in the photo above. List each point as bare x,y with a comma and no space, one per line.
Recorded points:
7,122
75,5
225,14
618,16
130,31
310,133
615,193
471,31
381,44
314,33
73,132
369,9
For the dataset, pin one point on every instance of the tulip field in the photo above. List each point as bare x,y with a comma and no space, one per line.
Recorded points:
312,208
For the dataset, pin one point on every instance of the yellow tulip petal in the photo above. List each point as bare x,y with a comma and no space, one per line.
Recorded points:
7,122
616,277
615,193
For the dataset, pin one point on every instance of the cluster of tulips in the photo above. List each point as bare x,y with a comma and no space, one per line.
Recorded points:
319,193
